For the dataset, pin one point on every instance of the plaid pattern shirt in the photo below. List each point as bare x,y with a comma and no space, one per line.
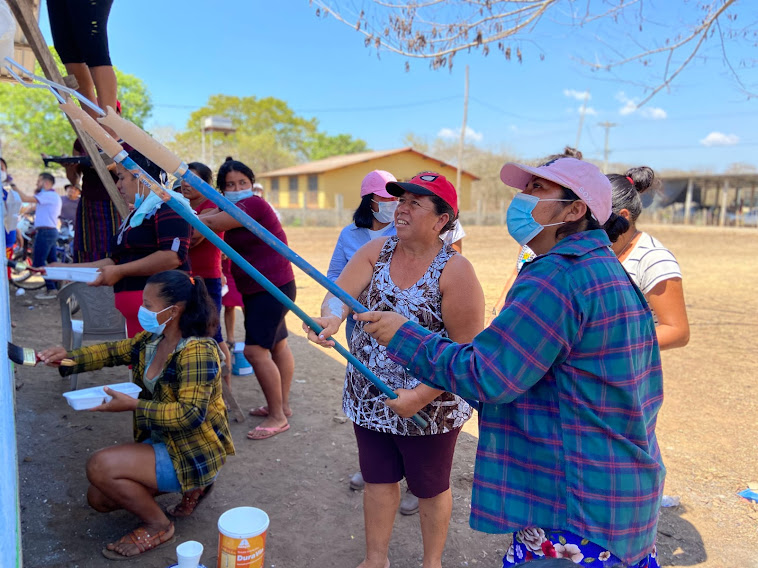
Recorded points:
186,410
569,381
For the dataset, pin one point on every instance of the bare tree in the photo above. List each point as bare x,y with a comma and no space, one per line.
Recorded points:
438,29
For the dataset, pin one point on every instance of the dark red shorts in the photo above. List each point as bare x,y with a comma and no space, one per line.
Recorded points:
424,461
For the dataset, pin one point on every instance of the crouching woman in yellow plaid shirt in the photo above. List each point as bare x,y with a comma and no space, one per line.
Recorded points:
181,429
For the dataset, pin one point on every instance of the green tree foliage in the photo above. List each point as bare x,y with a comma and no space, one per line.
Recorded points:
322,145
30,121
269,135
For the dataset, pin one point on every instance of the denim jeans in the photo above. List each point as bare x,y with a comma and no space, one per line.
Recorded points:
44,250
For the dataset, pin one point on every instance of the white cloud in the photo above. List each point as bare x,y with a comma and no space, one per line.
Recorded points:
589,111
630,107
656,113
720,139
578,95
471,134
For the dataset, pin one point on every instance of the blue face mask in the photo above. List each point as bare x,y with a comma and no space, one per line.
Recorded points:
149,320
520,221
237,196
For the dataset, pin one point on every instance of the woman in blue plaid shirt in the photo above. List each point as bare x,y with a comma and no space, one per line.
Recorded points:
568,379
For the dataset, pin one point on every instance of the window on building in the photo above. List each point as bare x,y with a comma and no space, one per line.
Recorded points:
294,198
312,195
274,198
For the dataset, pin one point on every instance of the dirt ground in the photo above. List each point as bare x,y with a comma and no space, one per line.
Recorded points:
707,431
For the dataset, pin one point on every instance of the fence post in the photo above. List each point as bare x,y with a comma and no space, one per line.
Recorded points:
502,212
479,212
724,197
338,210
688,201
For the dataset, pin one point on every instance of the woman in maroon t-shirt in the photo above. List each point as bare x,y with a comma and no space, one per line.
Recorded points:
265,330
205,258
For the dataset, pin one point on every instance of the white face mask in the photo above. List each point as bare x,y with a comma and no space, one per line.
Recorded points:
386,211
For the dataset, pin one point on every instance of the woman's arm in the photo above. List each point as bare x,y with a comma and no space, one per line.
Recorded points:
355,277
92,357
220,221
197,370
667,301
151,264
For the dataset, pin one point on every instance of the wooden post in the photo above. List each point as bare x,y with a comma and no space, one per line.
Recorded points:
462,139
338,210
22,11
724,197
688,201
503,212
479,212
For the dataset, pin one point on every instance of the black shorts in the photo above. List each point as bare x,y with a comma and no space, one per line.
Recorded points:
424,461
264,317
80,30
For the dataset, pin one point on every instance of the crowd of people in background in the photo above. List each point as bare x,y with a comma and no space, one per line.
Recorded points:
565,375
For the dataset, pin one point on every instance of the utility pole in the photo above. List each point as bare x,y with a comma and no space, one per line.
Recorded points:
607,125
581,118
463,135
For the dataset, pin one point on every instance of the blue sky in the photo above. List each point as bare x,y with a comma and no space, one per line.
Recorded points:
187,50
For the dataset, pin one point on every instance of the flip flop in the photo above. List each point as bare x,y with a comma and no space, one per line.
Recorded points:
189,502
263,411
144,542
261,433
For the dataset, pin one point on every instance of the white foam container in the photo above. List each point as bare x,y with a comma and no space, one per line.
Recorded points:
95,396
75,274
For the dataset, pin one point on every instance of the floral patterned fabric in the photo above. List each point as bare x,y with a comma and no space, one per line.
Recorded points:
362,402
534,542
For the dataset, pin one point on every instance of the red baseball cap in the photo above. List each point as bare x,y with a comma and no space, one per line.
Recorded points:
427,183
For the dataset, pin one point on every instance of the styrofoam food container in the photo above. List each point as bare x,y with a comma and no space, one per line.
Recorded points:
75,274
95,396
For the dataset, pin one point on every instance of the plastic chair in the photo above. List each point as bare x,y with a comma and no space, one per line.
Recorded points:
100,321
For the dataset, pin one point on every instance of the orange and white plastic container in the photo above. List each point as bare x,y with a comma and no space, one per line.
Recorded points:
242,538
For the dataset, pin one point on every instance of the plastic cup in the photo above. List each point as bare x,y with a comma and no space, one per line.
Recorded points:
188,554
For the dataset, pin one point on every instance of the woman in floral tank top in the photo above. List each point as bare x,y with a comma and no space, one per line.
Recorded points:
418,276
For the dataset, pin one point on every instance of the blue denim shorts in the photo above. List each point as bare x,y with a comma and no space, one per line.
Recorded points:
165,474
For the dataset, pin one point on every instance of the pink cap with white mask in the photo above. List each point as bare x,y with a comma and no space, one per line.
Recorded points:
376,182
583,178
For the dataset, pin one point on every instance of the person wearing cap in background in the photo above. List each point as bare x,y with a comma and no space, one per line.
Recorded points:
568,379
415,274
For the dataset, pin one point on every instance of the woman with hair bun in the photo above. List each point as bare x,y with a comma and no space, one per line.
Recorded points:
568,379
651,265
266,346
181,427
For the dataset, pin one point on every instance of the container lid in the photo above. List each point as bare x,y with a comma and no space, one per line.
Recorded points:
243,522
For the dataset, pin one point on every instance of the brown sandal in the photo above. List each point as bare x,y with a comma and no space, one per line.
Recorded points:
190,500
143,540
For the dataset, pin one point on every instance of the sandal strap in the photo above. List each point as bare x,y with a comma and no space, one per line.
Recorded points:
144,541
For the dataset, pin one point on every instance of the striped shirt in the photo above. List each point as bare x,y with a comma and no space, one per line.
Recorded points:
569,381
650,263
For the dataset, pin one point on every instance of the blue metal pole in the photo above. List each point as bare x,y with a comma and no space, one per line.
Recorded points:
267,237
192,219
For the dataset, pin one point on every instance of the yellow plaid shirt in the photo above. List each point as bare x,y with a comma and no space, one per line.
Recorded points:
186,410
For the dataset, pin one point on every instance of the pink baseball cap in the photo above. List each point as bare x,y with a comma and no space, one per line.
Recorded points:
376,182
583,178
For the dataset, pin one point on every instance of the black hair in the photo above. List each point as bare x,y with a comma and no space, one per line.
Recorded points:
202,171
68,185
615,226
232,165
440,208
2,161
200,316
568,152
151,169
364,215
626,194
47,176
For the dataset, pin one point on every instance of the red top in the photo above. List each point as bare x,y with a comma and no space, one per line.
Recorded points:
263,258
205,258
